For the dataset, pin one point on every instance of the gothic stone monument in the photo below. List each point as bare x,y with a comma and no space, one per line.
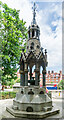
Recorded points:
32,101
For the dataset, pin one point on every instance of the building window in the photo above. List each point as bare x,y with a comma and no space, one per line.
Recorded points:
56,80
56,77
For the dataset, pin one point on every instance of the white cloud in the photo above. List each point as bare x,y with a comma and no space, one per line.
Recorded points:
48,0
50,40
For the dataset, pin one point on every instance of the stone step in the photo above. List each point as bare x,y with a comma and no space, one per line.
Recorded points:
14,107
34,115
49,108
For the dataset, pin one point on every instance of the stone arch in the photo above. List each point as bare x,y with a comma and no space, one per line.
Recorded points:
22,92
30,92
32,43
38,46
41,92
31,47
29,109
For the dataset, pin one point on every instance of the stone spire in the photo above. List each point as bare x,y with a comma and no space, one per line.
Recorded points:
34,14
34,30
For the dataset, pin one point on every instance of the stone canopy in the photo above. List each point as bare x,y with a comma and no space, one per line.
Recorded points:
34,56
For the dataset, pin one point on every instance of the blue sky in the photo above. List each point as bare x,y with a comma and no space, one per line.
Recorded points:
49,19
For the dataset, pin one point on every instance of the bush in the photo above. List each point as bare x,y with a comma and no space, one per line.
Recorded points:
18,81
7,95
61,84
12,82
11,86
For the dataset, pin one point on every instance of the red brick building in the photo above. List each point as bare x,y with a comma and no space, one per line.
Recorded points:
53,77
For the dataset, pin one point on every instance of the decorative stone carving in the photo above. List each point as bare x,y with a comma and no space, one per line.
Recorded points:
32,101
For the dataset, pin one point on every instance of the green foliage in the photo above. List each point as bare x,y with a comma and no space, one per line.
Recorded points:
13,39
61,84
7,95
9,83
51,82
18,81
11,86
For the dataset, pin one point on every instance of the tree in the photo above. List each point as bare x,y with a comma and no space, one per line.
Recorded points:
13,38
61,84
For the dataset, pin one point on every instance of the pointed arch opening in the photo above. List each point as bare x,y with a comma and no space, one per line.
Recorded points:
41,76
32,33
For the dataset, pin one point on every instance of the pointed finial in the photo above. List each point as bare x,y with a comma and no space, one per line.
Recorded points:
34,14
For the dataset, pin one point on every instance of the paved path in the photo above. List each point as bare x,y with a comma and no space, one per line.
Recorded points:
58,94
3,104
9,102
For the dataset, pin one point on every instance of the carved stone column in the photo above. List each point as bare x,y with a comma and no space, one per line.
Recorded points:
44,76
30,73
22,81
26,74
30,33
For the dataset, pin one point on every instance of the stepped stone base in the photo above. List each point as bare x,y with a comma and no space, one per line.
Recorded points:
24,114
32,102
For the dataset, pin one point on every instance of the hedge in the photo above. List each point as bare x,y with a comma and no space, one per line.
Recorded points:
7,95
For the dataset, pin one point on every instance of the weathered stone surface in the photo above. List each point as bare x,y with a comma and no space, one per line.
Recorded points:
35,115
37,99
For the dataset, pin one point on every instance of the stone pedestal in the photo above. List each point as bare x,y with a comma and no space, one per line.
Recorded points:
32,102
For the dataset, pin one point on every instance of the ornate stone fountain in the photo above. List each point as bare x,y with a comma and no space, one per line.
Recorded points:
32,101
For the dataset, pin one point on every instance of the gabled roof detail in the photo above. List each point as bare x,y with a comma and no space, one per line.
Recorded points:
41,55
31,55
